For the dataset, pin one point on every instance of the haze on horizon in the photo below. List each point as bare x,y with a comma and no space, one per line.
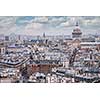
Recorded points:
37,25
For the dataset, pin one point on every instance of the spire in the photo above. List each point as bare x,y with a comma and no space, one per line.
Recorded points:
77,24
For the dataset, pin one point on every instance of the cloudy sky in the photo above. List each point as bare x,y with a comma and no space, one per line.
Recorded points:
33,25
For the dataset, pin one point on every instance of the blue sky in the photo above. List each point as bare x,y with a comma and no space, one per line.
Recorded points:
34,25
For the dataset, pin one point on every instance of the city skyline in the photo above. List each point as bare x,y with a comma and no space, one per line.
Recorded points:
73,56
52,25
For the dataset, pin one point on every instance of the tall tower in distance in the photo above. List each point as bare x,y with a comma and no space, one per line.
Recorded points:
43,35
6,38
76,33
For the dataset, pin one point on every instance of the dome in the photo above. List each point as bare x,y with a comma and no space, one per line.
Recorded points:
76,33
77,29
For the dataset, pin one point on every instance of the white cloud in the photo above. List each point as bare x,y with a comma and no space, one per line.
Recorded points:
65,24
44,23
55,20
34,26
7,24
41,19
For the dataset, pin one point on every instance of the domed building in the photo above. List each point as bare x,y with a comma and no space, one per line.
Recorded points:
76,32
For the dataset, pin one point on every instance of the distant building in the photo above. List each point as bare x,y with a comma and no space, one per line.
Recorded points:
6,38
43,66
88,39
91,45
76,43
2,49
15,48
43,35
76,32
98,39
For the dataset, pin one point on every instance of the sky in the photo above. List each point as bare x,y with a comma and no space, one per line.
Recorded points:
51,25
